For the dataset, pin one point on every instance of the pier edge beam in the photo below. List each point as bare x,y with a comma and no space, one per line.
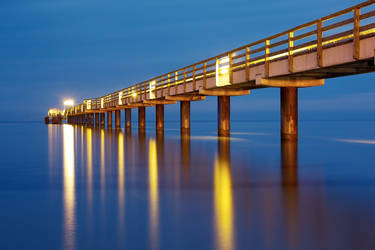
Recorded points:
102,120
117,119
128,118
223,116
185,117
159,117
109,119
141,118
289,113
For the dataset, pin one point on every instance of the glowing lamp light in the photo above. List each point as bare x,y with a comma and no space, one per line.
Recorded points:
134,94
68,102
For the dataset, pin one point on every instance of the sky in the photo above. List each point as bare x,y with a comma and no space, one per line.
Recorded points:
54,49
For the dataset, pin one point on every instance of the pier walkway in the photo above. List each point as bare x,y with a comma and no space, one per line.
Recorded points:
339,44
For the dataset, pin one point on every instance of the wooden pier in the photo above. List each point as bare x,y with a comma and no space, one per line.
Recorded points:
336,45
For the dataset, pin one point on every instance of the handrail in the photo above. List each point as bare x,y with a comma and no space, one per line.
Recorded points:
246,56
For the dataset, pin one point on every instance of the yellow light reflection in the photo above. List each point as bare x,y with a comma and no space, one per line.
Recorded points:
153,194
69,187
223,205
121,176
102,162
89,162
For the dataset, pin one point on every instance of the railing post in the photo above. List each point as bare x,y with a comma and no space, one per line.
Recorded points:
194,82
266,53
319,37
290,52
162,84
356,30
247,63
230,68
184,80
145,91
169,84
204,75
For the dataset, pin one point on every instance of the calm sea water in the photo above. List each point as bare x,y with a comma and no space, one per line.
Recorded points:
73,187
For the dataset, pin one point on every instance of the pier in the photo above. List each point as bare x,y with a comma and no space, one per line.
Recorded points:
337,45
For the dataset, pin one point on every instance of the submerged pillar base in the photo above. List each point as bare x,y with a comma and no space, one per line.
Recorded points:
128,119
117,119
109,119
185,117
141,118
160,117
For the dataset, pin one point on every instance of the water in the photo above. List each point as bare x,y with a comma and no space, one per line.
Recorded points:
73,187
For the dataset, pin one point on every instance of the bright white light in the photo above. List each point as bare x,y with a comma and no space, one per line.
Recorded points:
134,94
68,102
224,60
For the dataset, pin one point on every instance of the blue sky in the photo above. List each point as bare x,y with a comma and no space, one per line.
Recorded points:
53,49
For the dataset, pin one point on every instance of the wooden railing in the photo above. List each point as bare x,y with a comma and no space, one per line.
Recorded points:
313,36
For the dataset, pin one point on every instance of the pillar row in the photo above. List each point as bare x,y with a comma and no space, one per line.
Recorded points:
97,115
117,119
102,120
109,119
141,118
289,112
160,117
185,117
223,115
128,118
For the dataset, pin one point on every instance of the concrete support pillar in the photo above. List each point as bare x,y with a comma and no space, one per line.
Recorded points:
289,113
128,118
102,120
117,119
160,117
223,115
97,120
141,118
109,119
185,117
91,119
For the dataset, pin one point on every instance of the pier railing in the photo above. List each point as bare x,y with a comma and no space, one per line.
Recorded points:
349,25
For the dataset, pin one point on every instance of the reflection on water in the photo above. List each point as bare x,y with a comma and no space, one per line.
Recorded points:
89,163
69,187
205,192
121,177
153,194
102,163
289,182
223,197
